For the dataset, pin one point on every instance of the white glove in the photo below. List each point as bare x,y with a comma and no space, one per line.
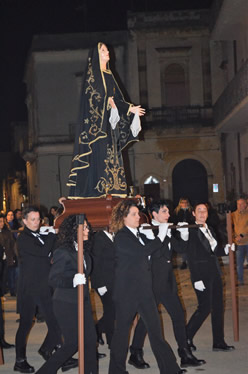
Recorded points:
199,286
135,125
162,230
79,279
184,232
114,117
4,256
102,290
227,248
148,233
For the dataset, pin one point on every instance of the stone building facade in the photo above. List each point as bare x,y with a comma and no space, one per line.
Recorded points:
229,66
172,63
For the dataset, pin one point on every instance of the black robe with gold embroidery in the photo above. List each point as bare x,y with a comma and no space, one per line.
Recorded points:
97,165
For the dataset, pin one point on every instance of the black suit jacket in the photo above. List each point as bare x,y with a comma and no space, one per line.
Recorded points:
133,280
64,267
34,263
163,277
103,256
203,262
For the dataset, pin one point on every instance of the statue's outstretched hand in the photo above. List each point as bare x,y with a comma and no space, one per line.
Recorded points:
138,109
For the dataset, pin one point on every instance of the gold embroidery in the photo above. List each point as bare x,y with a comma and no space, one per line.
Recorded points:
95,114
115,173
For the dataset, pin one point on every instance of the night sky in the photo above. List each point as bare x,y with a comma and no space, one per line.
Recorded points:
21,19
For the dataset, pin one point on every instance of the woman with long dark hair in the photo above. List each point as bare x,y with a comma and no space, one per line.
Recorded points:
64,278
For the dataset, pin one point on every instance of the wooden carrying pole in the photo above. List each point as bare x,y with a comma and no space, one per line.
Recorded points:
80,221
1,354
232,277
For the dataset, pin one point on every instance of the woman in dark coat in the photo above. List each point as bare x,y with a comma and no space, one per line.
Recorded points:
3,251
64,278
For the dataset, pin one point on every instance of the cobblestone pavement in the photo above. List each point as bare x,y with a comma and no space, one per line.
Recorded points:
235,362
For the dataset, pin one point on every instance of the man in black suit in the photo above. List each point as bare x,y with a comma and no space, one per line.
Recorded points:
34,254
165,289
133,290
206,279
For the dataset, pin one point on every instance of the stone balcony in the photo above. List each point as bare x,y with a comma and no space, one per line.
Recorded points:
181,116
231,109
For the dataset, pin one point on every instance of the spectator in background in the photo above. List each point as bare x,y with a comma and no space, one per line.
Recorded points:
52,214
240,236
183,213
3,342
18,217
12,223
10,268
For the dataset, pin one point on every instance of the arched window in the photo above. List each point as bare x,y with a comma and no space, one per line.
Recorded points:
174,86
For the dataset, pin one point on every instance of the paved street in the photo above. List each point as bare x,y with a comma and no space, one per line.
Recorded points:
235,362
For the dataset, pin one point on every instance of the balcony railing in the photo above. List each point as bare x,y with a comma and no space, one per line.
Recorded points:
234,93
180,116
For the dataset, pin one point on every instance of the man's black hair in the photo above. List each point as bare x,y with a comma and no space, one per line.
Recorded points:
29,209
199,203
157,205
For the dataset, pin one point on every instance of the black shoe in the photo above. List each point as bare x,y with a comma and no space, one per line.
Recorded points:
223,347
45,354
191,345
5,345
23,367
69,364
136,359
188,359
100,355
181,371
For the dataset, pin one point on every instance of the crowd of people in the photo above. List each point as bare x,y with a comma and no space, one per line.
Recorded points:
130,266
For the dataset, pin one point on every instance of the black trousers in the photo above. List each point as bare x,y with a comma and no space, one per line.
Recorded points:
67,315
107,323
209,301
172,304
27,309
1,321
125,313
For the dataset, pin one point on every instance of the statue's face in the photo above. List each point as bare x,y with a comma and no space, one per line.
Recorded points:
104,54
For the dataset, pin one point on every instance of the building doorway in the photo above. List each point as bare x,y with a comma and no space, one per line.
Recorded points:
189,179
152,188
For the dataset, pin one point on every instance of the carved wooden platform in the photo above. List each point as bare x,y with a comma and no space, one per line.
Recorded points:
97,210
